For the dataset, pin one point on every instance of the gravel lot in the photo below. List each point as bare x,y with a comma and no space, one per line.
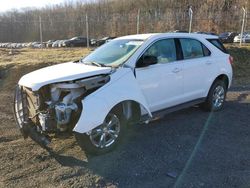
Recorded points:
188,148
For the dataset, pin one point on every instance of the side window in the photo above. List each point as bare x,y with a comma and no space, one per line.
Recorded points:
163,50
191,48
206,51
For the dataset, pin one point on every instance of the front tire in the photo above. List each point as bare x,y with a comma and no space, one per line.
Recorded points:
105,137
216,96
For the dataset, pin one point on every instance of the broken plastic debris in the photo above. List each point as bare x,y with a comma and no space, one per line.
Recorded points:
172,174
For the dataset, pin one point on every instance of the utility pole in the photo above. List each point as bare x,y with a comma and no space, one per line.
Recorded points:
245,27
41,31
138,22
87,30
190,13
246,16
243,24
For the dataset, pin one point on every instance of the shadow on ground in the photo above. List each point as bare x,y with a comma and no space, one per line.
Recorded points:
156,154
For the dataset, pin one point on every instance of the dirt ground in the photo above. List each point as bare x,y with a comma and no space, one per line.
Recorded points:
188,148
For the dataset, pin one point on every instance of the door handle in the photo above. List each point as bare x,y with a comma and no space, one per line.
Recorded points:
176,70
208,62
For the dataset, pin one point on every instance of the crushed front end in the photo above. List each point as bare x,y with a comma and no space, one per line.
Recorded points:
54,108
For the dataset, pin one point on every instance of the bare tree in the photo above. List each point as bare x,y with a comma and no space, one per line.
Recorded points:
119,17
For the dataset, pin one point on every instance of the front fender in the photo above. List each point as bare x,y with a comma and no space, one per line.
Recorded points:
122,87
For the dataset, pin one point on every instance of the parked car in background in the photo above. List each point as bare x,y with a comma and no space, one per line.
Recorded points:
104,40
227,37
61,43
29,45
75,42
180,31
245,37
49,43
35,44
55,44
93,42
128,80
206,33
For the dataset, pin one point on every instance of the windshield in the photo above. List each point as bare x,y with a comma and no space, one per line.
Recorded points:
113,53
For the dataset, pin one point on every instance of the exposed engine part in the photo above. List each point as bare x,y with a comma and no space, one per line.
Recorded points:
79,85
46,121
63,114
64,108
43,119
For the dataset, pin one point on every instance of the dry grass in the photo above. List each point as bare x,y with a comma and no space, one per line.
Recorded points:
22,61
25,60
40,56
241,64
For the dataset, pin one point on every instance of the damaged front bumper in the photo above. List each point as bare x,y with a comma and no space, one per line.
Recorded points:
25,125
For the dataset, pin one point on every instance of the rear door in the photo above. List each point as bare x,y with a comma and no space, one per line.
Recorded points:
197,68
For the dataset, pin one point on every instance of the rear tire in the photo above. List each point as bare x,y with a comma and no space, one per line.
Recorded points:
105,137
216,97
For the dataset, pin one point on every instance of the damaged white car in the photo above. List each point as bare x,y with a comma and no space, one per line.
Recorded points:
128,80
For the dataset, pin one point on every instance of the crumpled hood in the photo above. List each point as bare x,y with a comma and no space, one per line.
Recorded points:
60,73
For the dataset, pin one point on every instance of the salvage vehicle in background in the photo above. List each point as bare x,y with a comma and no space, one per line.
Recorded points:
227,37
75,42
245,37
103,40
49,43
55,44
131,79
206,33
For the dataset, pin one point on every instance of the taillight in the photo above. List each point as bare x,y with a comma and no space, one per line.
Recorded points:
231,60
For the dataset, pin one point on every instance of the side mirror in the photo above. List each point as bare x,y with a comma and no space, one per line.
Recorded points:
147,60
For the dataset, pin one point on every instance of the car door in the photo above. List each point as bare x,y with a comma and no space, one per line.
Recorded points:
161,83
197,68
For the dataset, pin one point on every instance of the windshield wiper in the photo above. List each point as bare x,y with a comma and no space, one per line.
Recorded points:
77,61
96,64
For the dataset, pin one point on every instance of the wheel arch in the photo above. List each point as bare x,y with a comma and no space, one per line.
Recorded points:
130,109
224,78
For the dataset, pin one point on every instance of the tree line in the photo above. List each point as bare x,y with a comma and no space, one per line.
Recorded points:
119,17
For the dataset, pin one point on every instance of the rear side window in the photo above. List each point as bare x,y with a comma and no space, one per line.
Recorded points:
206,51
217,43
192,48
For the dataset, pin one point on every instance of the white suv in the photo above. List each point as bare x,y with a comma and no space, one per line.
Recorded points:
130,79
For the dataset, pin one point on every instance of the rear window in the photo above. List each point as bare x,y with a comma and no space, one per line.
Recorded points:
217,43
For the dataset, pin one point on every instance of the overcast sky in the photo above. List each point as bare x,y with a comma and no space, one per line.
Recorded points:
6,5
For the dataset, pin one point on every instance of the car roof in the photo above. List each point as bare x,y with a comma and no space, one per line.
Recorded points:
150,35
138,36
